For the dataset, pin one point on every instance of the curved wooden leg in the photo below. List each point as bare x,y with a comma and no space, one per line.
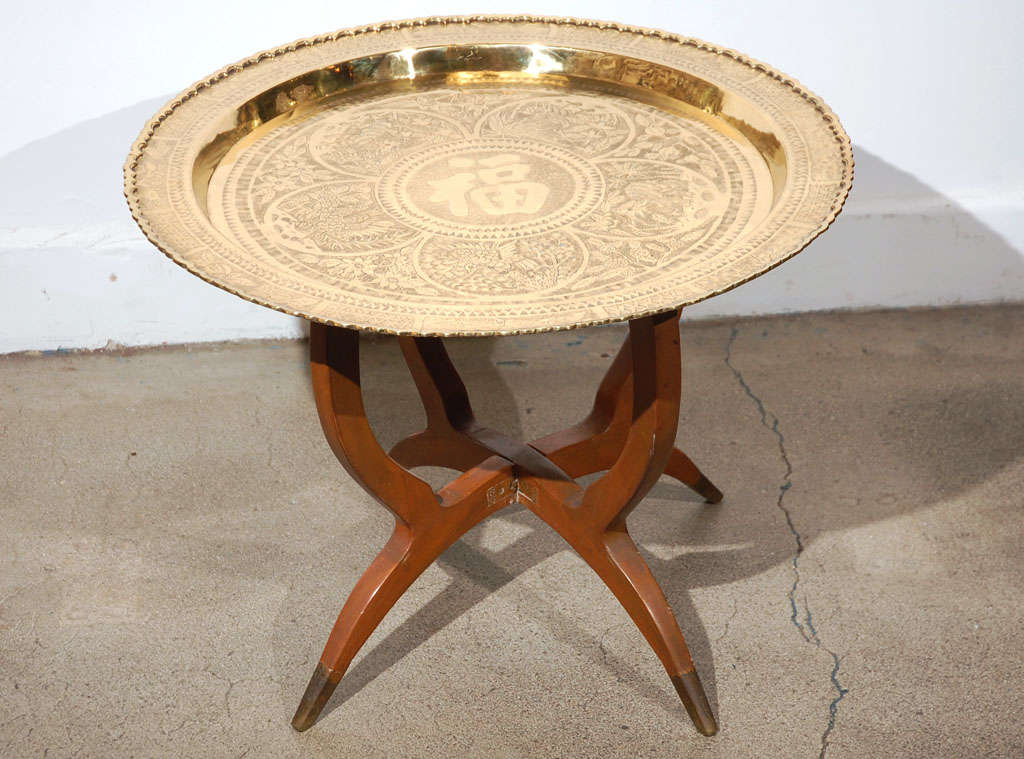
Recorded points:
425,524
411,549
453,437
594,444
630,433
448,440
681,468
388,576
627,575
594,523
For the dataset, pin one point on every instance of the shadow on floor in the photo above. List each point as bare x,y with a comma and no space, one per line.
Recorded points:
925,434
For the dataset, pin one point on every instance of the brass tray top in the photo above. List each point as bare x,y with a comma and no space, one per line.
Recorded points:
488,175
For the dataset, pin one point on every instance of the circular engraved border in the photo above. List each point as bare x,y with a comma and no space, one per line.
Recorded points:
586,175
160,196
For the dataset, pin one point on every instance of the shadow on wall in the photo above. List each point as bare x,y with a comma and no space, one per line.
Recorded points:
79,273
898,243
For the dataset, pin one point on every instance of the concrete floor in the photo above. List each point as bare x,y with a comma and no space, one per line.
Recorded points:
177,539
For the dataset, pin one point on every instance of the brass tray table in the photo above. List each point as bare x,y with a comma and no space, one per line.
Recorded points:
493,175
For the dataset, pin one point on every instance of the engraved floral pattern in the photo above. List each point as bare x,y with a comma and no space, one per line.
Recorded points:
490,195
587,124
278,260
360,149
652,198
502,267
339,218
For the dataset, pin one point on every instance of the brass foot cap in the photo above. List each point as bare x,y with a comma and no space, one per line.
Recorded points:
708,490
691,693
317,694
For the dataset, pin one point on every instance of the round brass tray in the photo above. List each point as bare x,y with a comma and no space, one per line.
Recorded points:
488,175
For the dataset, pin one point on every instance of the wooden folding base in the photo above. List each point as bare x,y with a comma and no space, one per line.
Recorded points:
629,435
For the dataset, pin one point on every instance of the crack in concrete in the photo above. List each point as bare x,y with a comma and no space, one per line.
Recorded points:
604,650
806,629
231,686
735,609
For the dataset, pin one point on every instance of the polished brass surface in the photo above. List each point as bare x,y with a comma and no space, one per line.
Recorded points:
488,175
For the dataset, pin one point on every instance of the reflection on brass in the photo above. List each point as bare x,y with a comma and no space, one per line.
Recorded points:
488,175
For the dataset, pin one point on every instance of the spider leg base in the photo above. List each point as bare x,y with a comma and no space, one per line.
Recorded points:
629,435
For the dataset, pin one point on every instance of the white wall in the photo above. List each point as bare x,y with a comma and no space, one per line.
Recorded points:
929,92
